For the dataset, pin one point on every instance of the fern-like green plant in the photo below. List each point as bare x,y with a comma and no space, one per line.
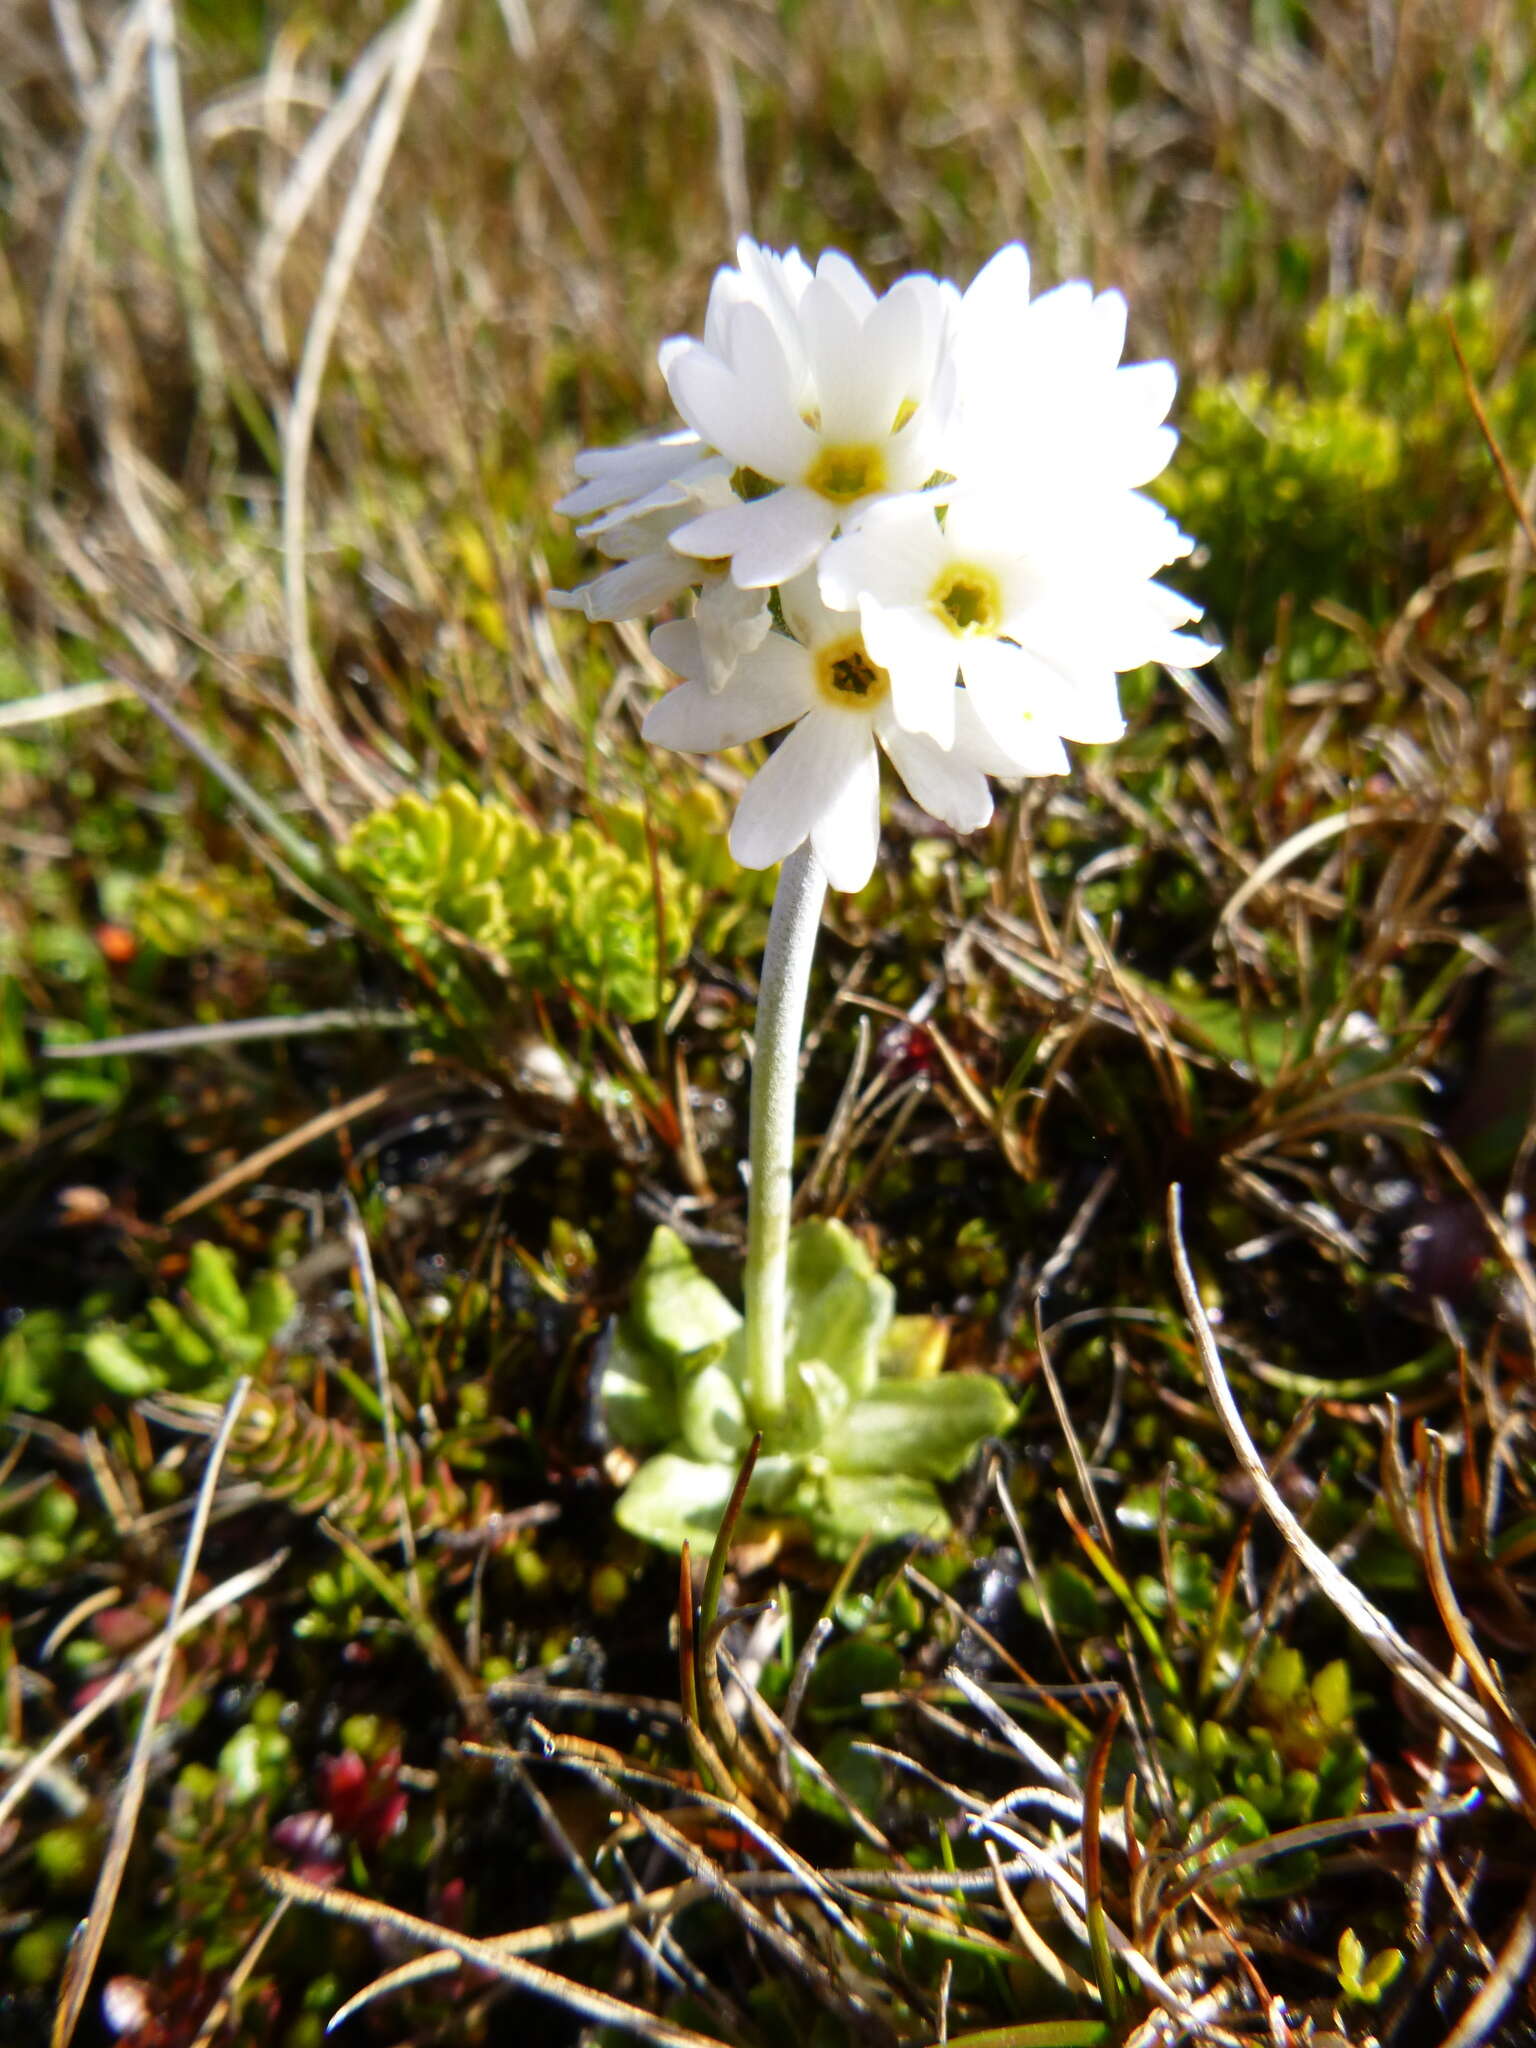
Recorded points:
549,910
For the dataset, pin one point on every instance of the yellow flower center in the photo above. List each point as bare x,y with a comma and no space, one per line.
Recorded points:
847,677
847,471
967,600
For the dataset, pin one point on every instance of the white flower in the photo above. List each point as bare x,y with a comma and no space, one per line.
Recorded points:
823,781
634,477
1044,395
826,395
1035,597
651,573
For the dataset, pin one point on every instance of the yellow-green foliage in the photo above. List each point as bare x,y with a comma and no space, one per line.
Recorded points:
1355,483
551,910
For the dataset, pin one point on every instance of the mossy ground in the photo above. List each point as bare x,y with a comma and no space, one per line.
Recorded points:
1276,948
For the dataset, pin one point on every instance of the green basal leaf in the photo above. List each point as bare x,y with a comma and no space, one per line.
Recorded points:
672,1501
638,1394
818,1399
675,1499
913,1348
839,1307
925,1428
675,1311
713,1415
842,1508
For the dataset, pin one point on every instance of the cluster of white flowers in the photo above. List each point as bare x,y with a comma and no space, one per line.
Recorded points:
910,521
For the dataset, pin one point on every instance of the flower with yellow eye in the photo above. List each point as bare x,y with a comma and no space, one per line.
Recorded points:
822,397
822,783
1034,602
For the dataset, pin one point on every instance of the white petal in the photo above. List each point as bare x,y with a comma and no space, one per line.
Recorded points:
1107,325
834,269
1144,392
1026,706
789,794
677,646
846,837
1035,750
752,426
612,476
832,342
770,689
922,657
942,782
635,588
731,622
894,553
998,296
768,540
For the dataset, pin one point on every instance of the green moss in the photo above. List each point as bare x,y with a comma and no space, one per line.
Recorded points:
462,879
1352,483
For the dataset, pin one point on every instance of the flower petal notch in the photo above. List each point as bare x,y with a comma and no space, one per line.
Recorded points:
870,1429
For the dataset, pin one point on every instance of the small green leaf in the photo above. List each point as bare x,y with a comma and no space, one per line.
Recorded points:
638,1394
213,1287
927,1429
118,1366
675,1311
845,1673
843,1508
673,1500
839,1308
713,1416
914,1348
858,1775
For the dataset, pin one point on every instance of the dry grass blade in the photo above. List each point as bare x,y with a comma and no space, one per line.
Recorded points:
105,110
1449,1704
177,183
48,705
130,1676
1515,1742
527,1941
490,1956
1318,833
86,1949
1509,1972
362,1265
309,173
256,1163
299,428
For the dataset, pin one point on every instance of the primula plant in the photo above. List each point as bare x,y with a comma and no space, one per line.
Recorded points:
908,523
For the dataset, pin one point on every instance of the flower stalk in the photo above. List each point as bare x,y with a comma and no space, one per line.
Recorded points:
786,974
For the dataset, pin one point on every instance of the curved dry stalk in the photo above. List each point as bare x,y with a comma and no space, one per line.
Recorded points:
129,1676
492,1957
308,174
318,720
86,1949
1448,1703
104,111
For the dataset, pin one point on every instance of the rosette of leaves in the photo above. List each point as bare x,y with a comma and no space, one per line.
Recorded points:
1290,1757
873,1425
549,910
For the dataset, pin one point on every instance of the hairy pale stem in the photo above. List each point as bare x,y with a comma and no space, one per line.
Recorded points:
785,977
